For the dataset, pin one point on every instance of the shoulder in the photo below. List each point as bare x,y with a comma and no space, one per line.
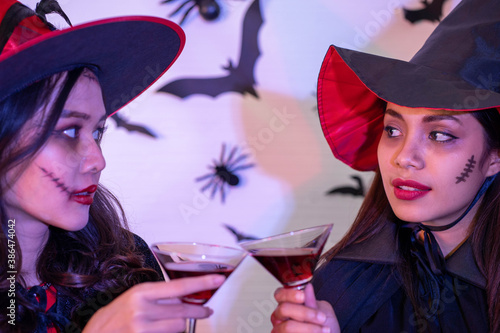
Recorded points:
355,288
369,264
340,277
360,270
142,248
380,248
140,243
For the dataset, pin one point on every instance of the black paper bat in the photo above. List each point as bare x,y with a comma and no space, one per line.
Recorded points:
240,78
431,11
239,236
358,191
120,122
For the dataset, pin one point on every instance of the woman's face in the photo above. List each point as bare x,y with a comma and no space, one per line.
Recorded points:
432,162
58,185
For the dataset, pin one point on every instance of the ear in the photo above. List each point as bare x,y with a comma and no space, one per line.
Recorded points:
494,163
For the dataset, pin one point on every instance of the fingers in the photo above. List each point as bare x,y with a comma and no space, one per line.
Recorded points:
309,297
154,291
165,310
163,297
169,325
291,295
153,307
297,327
305,296
331,317
297,312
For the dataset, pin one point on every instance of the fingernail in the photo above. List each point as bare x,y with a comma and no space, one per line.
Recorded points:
321,317
325,330
210,311
300,297
218,279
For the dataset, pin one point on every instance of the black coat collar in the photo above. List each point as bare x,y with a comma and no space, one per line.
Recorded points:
382,249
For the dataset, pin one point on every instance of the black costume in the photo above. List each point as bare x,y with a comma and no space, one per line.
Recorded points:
60,312
365,290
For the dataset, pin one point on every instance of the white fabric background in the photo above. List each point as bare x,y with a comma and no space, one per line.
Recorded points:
154,178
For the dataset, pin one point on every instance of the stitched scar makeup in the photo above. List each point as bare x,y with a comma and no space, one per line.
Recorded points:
56,180
469,167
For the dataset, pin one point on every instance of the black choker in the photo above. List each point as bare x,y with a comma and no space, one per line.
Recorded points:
484,187
428,258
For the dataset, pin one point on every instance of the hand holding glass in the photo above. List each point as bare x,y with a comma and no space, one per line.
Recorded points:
195,259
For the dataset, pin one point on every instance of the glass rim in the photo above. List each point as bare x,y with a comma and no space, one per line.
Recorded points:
224,247
277,236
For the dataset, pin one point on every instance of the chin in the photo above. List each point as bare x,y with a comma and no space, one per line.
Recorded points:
75,224
78,226
406,217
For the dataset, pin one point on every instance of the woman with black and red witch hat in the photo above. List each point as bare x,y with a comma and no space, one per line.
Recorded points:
68,262
423,254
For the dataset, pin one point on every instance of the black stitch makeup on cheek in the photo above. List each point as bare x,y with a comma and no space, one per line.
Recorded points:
469,166
52,177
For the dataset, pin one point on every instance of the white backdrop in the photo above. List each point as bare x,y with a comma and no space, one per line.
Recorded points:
294,168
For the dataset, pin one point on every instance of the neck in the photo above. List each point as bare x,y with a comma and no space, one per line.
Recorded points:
449,239
451,235
32,235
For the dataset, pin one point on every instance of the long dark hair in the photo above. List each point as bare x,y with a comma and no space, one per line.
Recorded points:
101,256
484,231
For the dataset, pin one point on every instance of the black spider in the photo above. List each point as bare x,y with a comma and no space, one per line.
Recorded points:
223,172
209,9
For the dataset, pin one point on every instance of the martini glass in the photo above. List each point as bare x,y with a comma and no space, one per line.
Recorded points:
195,259
290,257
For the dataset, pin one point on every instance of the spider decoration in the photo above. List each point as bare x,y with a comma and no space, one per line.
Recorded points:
223,172
209,9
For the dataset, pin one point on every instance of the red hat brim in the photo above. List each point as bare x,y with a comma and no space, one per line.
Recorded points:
353,88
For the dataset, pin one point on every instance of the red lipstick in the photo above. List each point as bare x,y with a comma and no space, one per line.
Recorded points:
85,196
409,189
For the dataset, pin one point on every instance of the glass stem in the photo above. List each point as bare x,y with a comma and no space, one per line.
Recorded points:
192,325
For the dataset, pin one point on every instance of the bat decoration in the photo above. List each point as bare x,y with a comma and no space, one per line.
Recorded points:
240,237
431,12
223,172
209,9
120,122
358,191
240,78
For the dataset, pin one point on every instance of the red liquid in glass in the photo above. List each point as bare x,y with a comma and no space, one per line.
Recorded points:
190,269
292,267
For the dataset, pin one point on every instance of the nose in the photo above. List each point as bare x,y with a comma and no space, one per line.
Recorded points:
92,159
409,154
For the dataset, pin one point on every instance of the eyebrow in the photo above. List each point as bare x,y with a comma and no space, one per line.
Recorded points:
427,119
76,114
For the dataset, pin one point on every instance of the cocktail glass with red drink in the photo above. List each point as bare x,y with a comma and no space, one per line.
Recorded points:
185,259
290,257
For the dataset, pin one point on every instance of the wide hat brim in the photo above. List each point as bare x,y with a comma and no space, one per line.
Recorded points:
353,88
129,53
